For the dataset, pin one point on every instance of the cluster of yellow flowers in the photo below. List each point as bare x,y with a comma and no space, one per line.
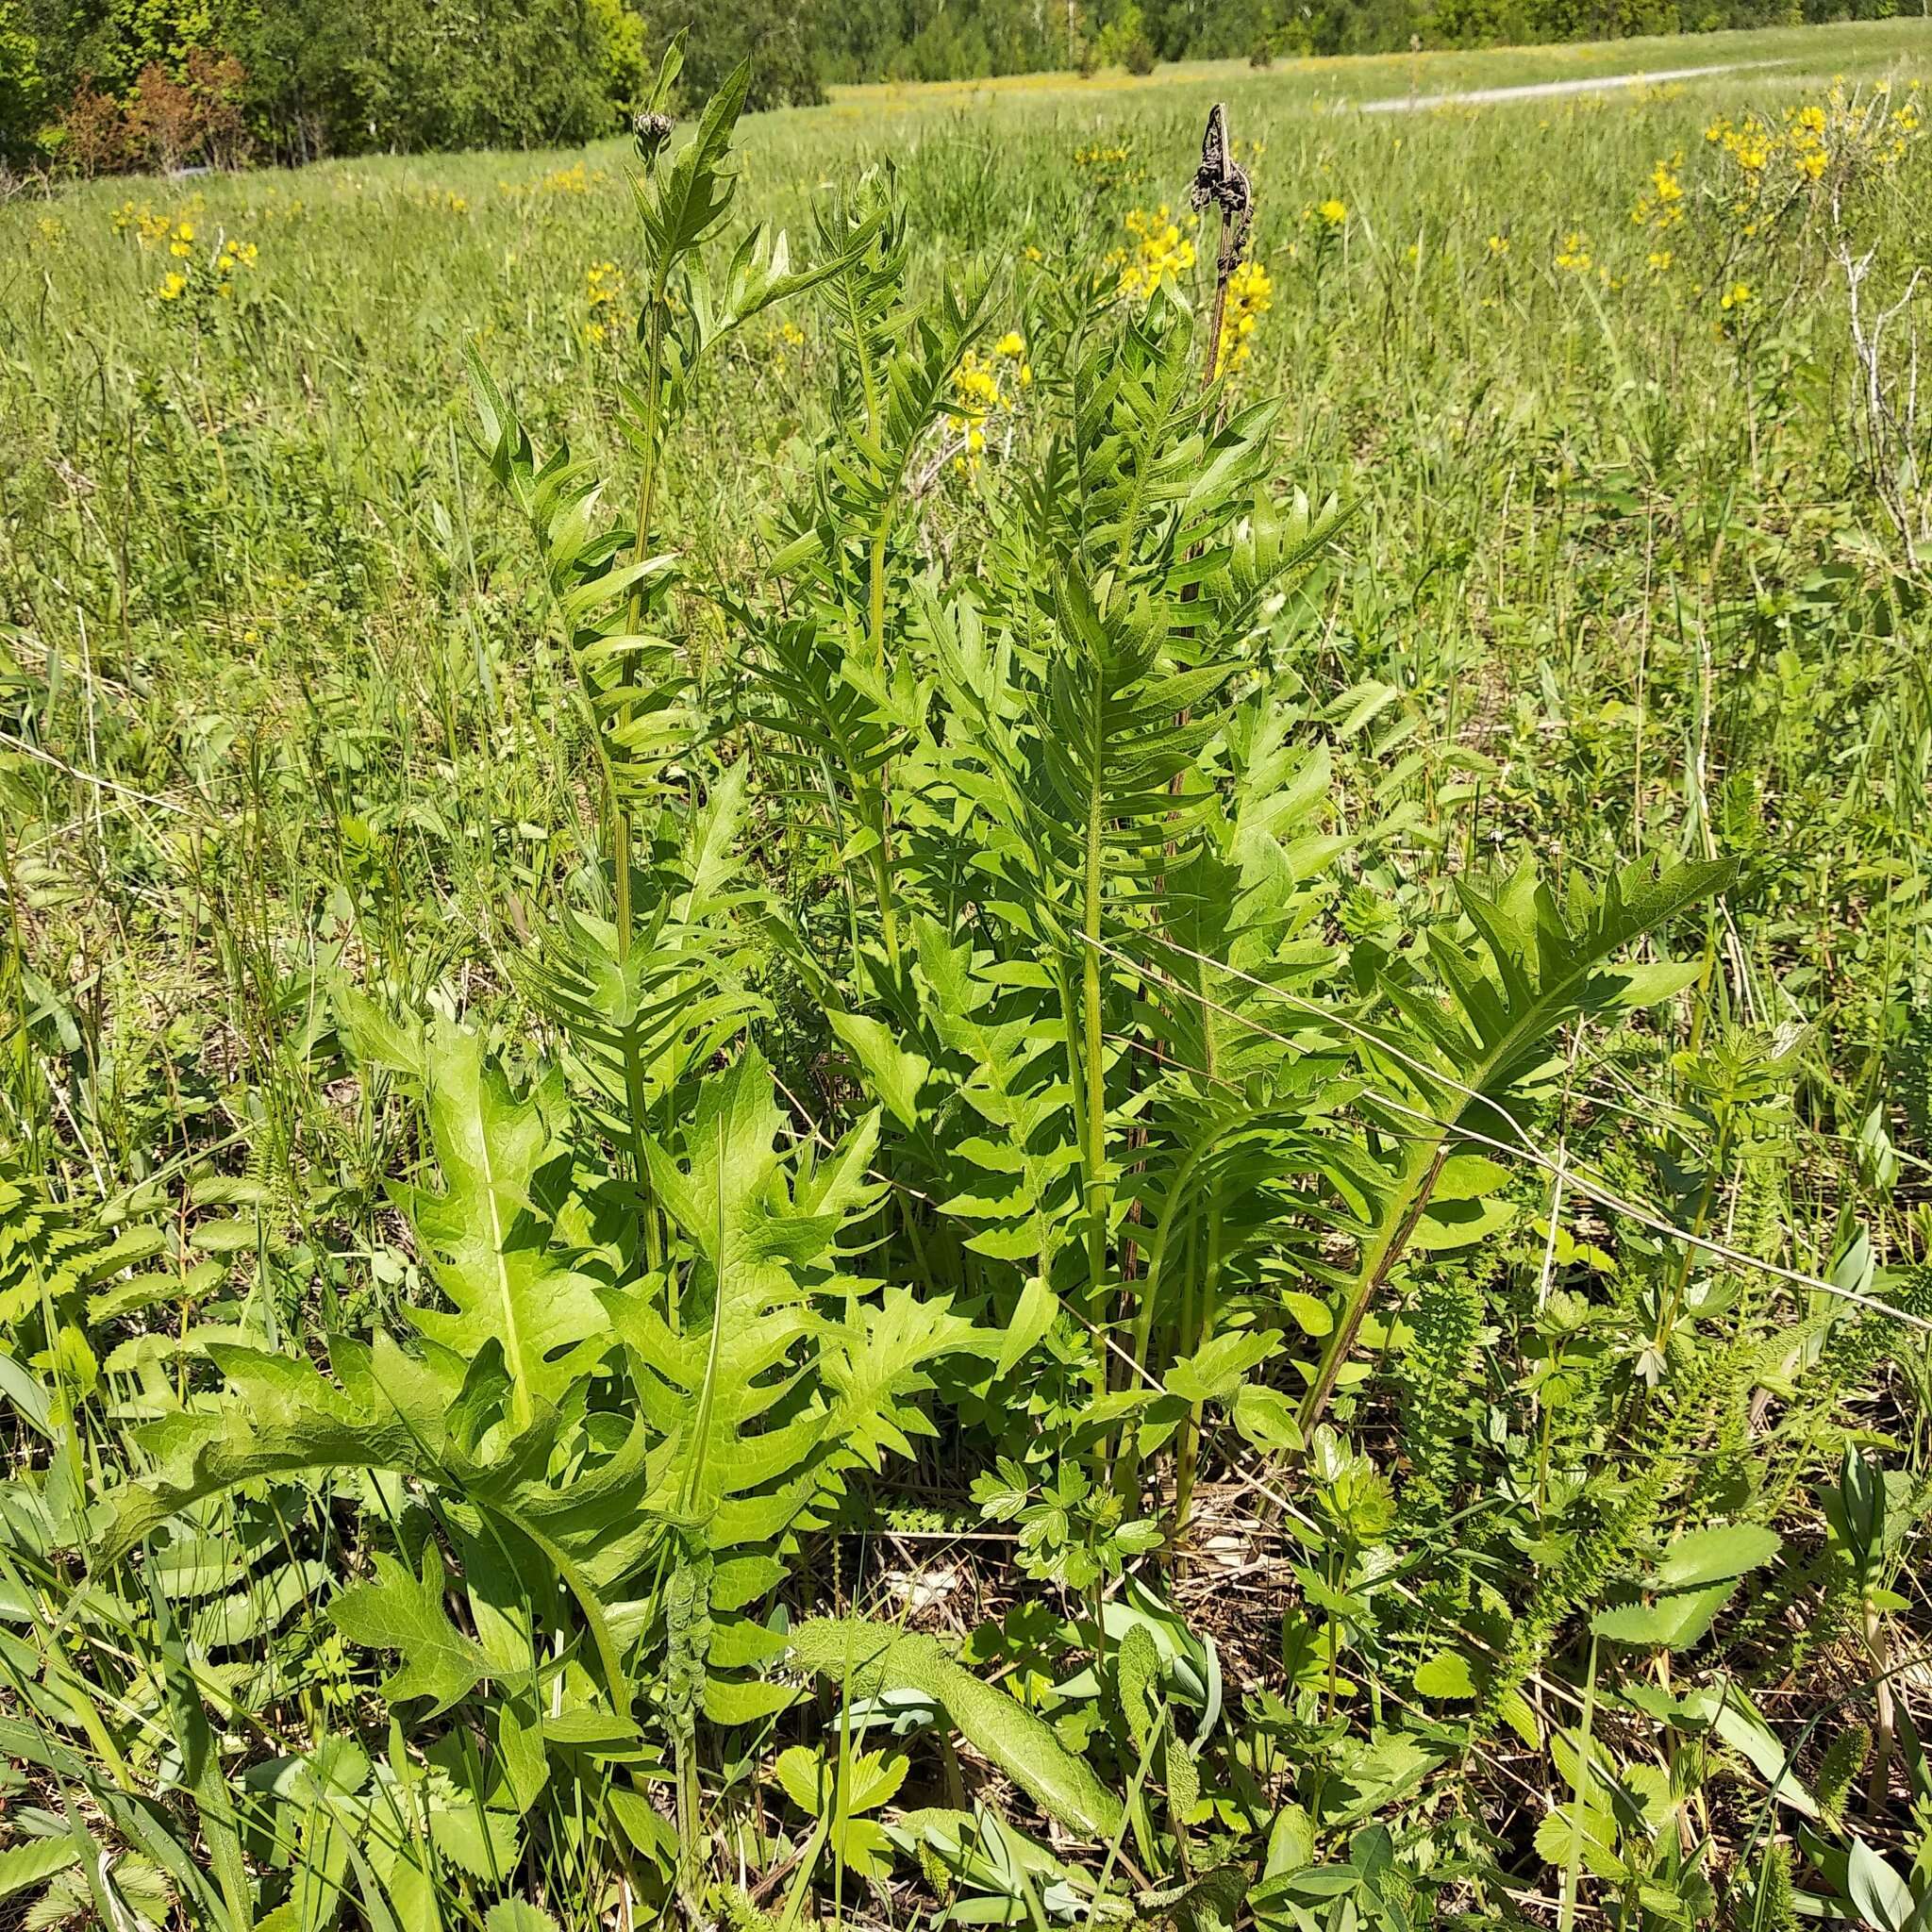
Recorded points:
577,179
1330,216
1860,131
1734,307
1661,205
1499,247
603,286
149,227
235,254
1809,153
232,260
1106,166
1250,295
1162,250
1574,254
175,284
50,231
976,386
437,200
1750,142
977,392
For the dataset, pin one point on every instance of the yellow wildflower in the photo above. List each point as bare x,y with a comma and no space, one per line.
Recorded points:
1250,295
977,395
1661,206
976,385
1161,252
172,287
1575,253
1735,297
603,286
1013,346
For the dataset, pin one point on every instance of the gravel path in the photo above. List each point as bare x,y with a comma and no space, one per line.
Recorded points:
1542,90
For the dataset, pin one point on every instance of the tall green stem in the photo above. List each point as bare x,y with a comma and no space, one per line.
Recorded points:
876,611
620,833
882,863
1383,1250
647,484
1186,1457
1098,1204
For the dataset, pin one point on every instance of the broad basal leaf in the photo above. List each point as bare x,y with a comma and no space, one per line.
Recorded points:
867,1658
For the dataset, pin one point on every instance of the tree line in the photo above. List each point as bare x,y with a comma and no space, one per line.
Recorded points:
95,86
952,40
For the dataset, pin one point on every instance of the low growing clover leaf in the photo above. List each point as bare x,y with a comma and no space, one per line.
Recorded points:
871,1778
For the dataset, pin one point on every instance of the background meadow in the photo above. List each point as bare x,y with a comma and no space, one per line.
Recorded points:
1600,415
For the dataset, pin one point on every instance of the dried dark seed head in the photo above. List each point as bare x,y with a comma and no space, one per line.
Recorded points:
1221,182
651,132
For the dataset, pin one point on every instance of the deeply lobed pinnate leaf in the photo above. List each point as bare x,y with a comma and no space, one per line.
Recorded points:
487,1237
402,1610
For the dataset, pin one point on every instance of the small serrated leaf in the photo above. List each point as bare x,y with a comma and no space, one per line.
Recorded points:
1716,1554
1446,1674
1215,1372
36,1861
517,1915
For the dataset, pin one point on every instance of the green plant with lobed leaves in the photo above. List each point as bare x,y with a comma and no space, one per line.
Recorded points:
616,1458
993,1052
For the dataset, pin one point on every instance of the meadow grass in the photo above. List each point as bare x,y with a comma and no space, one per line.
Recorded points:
1639,569
271,512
